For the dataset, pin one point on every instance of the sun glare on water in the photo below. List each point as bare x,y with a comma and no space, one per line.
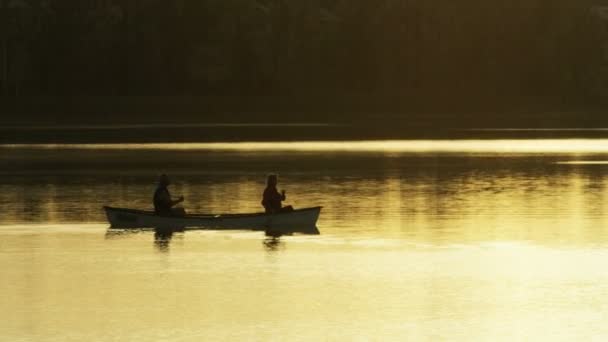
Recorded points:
553,146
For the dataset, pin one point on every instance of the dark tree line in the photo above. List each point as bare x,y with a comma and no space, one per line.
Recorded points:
192,47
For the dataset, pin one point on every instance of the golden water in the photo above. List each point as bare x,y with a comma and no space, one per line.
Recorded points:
496,242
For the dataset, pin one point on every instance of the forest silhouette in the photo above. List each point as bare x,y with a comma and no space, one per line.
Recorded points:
382,55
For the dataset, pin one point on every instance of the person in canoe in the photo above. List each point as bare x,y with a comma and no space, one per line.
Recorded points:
163,203
273,200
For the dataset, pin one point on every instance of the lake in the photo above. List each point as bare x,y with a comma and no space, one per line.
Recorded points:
460,240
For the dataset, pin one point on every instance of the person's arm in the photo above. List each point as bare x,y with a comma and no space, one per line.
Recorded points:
278,196
177,201
283,197
170,202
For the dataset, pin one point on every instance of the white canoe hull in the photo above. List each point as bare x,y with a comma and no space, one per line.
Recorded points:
297,220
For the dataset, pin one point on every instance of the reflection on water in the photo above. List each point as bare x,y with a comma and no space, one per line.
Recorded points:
584,162
113,234
273,243
416,246
524,146
162,239
427,196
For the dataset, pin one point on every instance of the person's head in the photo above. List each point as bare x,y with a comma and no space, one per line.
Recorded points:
164,180
272,180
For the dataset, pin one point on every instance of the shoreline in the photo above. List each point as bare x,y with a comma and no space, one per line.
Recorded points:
162,119
278,133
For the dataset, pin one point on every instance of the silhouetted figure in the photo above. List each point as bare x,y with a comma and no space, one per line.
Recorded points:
272,199
163,203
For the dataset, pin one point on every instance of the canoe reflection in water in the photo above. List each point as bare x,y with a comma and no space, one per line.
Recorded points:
273,243
162,238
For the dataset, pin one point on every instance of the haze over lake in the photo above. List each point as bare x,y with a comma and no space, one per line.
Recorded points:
420,240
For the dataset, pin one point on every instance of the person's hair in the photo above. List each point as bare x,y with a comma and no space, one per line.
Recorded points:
163,179
270,178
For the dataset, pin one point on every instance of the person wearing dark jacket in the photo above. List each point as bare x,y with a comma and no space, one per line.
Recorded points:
163,203
272,199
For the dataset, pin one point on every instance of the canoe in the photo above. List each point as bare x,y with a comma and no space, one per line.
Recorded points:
300,220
